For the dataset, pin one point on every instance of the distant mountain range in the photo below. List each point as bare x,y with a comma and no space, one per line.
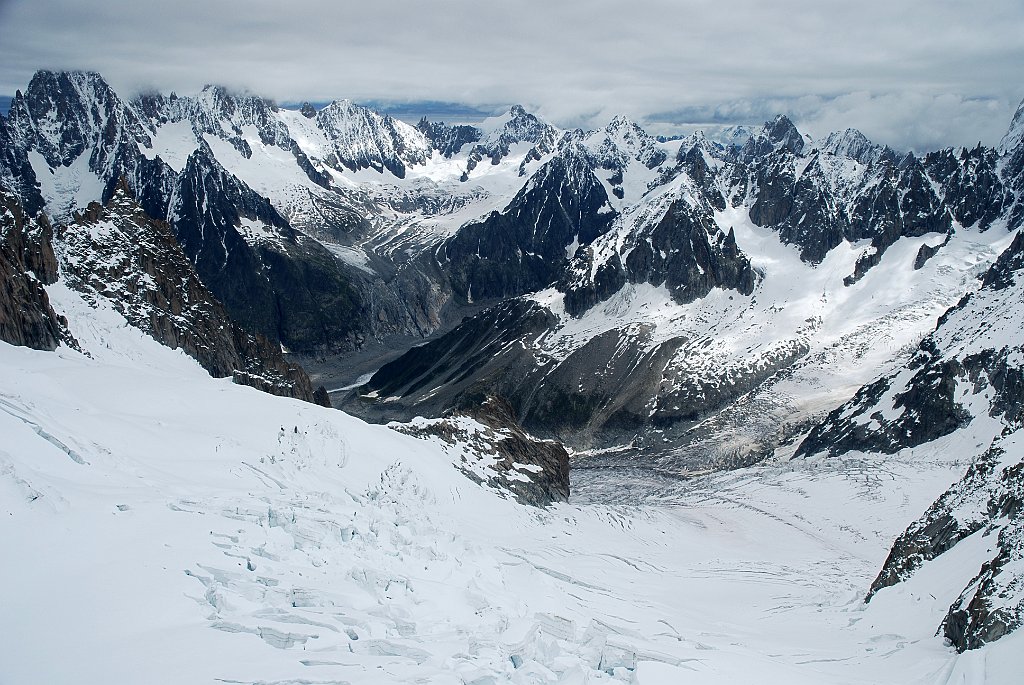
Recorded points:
677,305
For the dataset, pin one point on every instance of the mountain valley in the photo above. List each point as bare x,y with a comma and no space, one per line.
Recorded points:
538,405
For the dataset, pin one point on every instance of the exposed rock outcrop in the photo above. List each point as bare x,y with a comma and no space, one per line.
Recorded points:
27,263
969,371
685,251
527,246
119,253
502,454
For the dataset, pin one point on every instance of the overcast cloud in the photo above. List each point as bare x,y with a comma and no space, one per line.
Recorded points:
916,74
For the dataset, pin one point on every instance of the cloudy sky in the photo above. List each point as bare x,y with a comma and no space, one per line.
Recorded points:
915,74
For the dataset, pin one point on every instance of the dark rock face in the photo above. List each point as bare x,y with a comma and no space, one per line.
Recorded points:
972,189
457,357
853,190
938,530
527,246
684,250
16,173
1013,177
926,252
27,262
773,180
279,283
1008,267
778,134
535,471
64,114
906,196
317,176
583,292
119,253
448,140
689,254
986,610
928,409
693,160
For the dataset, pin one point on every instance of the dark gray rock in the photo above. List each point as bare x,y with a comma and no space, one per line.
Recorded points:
288,288
27,263
685,251
926,252
119,253
525,247
535,471
989,501
448,140
973,191
777,134
16,173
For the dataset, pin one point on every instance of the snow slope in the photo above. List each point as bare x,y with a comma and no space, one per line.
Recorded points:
162,526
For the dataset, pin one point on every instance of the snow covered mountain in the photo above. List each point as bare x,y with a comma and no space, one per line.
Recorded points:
726,300
652,313
150,511
963,391
80,139
115,256
345,231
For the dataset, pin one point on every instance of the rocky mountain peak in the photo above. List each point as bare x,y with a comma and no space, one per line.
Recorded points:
1015,134
700,142
364,139
448,140
621,122
27,263
778,134
499,134
517,126
622,140
855,145
63,114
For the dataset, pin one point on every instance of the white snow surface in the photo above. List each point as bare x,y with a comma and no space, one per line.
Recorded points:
161,526
65,189
849,334
408,214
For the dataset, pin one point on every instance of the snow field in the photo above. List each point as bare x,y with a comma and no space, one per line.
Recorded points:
163,526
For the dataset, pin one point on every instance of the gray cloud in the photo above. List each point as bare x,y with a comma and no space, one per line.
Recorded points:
914,74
